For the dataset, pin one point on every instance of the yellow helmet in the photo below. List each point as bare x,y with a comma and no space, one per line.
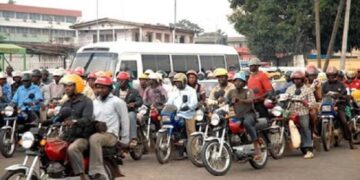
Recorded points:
143,76
322,76
180,77
108,74
74,79
356,95
220,72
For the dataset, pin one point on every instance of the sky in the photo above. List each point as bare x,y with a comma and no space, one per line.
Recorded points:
209,14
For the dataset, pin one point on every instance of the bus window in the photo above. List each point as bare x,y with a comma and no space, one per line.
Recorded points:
95,61
232,62
212,62
183,63
156,62
129,66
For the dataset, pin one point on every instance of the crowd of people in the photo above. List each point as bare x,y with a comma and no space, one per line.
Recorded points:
114,105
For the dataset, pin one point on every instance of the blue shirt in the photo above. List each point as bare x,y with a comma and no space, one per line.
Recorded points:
21,96
6,90
176,99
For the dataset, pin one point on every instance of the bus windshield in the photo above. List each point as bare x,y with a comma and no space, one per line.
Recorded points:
94,61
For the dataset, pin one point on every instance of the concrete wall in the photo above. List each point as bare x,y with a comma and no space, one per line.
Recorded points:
34,61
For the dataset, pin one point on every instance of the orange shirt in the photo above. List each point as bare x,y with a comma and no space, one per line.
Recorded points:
259,83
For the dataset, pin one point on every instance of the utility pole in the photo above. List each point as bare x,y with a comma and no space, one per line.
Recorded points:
317,28
333,34
345,35
97,22
174,30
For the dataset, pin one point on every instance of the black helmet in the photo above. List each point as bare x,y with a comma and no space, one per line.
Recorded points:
26,77
45,71
36,73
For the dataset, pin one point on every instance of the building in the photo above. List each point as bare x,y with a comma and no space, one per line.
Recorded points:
211,38
119,30
20,23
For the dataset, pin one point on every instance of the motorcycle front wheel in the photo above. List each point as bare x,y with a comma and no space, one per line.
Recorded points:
137,152
216,166
277,143
193,149
261,163
163,151
7,147
326,135
17,174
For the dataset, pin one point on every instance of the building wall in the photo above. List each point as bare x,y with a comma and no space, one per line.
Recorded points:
34,61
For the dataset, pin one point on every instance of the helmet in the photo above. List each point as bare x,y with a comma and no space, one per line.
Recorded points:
74,79
240,75
142,76
45,71
254,62
162,73
80,71
154,76
220,72
2,75
269,104
160,76
26,77
331,70
322,76
210,75
57,72
104,80
311,69
356,95
201,76
191,72
341,74
108,73
91,76
100,73
298,75
231,75
172,74
351,74
288,74
16,74
149,71
180,77
123,76
36,73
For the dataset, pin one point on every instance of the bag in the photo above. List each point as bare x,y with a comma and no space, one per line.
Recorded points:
81,130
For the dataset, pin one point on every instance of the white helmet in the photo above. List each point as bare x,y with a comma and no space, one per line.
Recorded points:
16,74
57,72
160,76
148,71
2,75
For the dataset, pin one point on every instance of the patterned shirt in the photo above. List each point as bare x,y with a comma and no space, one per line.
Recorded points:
306,94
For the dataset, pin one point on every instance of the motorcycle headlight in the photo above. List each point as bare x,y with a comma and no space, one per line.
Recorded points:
277,111
165,119
27,140
326,108
9,111
199,116
215,119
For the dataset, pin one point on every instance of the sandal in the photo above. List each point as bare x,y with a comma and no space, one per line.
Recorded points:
133,143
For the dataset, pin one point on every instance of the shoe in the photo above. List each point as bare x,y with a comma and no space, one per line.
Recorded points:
309,155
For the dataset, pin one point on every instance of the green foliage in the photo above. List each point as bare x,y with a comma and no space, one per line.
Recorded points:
186,24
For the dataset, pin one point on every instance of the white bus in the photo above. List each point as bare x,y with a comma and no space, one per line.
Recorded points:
137,57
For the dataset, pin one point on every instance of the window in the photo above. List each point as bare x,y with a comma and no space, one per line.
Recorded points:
158,36
8,14
156,62
47,17
21,15
70,19
232,61
129,65
183,63
136,37
45,31
59,18
93,62
34,16
70,33
167,38
182,39
212,62
21,30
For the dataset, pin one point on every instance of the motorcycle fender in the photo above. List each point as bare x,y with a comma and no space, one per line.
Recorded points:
6,127
197,133
216,139
17,167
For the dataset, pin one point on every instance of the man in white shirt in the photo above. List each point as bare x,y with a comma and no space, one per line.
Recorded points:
112,111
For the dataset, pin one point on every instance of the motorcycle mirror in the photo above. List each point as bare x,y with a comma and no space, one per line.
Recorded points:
297,92
185,98
31,96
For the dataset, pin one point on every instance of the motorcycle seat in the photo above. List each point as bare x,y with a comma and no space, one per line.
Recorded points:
109,151
261,124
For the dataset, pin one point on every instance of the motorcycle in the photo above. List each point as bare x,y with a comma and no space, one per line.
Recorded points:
231,141
172,132
16,123
51,154
354,116
141,147
331,131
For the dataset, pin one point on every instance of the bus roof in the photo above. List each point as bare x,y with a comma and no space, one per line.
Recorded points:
169,48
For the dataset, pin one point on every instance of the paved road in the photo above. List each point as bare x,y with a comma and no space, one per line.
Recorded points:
338,164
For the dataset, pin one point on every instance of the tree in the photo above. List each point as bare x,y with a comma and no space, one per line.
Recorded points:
188,25
275,29
11,2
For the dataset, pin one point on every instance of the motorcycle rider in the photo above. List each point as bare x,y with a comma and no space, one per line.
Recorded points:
36,77
133,100
192,81
90,80
56,89
242,100
88,91
260,84
82,111
351,81
143,83
16,81
9,75
154,94
5,89
334,85
112,111
302,105
215,97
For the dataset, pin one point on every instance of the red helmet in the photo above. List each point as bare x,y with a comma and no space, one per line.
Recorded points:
297,75
80,71
55,149
269,104
91,76
123,76
104,80
311,70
